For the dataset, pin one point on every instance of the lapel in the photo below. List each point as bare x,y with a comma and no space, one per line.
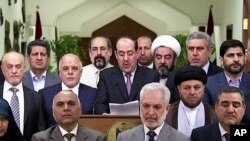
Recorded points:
56,135
138,135
28,80
81,134
119,82
165,132
137,83
245,80
1,91
215,134
27,100
48,79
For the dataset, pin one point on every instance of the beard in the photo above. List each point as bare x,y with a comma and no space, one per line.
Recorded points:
99,62
164,70
234,70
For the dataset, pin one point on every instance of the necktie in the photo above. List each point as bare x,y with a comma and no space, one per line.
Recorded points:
151,135
69,136
97,76
14,104
227,136
128,84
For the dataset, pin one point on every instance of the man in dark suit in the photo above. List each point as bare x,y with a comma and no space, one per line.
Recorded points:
123,84
67,111
229,108
232,57
26,104
199,49
38,77
190,112
154,105
70,70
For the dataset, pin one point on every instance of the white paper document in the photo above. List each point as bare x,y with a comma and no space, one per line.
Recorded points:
129,108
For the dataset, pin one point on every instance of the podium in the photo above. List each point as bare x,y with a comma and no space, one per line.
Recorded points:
110,125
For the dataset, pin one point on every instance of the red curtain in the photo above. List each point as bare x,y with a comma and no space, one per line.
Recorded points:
38,33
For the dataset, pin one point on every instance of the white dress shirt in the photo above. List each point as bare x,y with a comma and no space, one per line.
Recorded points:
75,89
90,75
7,95
74,131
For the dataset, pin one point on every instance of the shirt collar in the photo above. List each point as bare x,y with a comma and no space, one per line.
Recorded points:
206,66
34,76
222,130
157,130
7,85
74,89
74,131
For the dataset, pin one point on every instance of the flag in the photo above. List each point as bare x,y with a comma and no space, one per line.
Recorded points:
38,32
210,23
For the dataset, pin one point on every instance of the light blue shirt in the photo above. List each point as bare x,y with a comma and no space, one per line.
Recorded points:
38,83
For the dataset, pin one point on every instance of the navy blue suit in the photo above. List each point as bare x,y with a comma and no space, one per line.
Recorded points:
112,87
206,133
86,95
219,81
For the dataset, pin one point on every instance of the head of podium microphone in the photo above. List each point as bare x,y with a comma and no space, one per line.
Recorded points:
70,70
13,67
100,51
154,104
165,50
66,109
126,54
230,107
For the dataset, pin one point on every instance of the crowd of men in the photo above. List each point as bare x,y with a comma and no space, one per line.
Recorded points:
198,101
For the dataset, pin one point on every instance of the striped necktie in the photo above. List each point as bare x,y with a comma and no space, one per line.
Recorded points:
14,104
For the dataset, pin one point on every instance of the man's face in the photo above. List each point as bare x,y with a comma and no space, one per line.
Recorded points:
191,92
145,57
13,68
229,109
198,52
164,60
233,60
248,51
70,71
38,58
153,109
99,52
66,109
3,125
126,55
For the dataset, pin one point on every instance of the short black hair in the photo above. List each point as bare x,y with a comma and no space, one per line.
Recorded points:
38,42
230,44
231,89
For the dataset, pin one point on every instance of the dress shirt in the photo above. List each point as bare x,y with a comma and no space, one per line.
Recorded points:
38,83
7,94
74,89
222,132
149,66
206,66
89,75
74,131
157,131
131,77
233,83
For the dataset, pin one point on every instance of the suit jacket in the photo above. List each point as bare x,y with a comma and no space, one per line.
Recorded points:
34,120
112,87
206,133
50,79
212,70
83,134
172,116
167,133
219,81
86,95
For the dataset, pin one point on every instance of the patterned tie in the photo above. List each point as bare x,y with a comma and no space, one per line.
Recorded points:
69,136
128,84
227,136
151,135
14,104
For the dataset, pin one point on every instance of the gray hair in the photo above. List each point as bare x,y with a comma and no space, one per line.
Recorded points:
156,86
200,35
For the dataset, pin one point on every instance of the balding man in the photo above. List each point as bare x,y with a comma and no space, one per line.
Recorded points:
66,111
70,70
25,103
